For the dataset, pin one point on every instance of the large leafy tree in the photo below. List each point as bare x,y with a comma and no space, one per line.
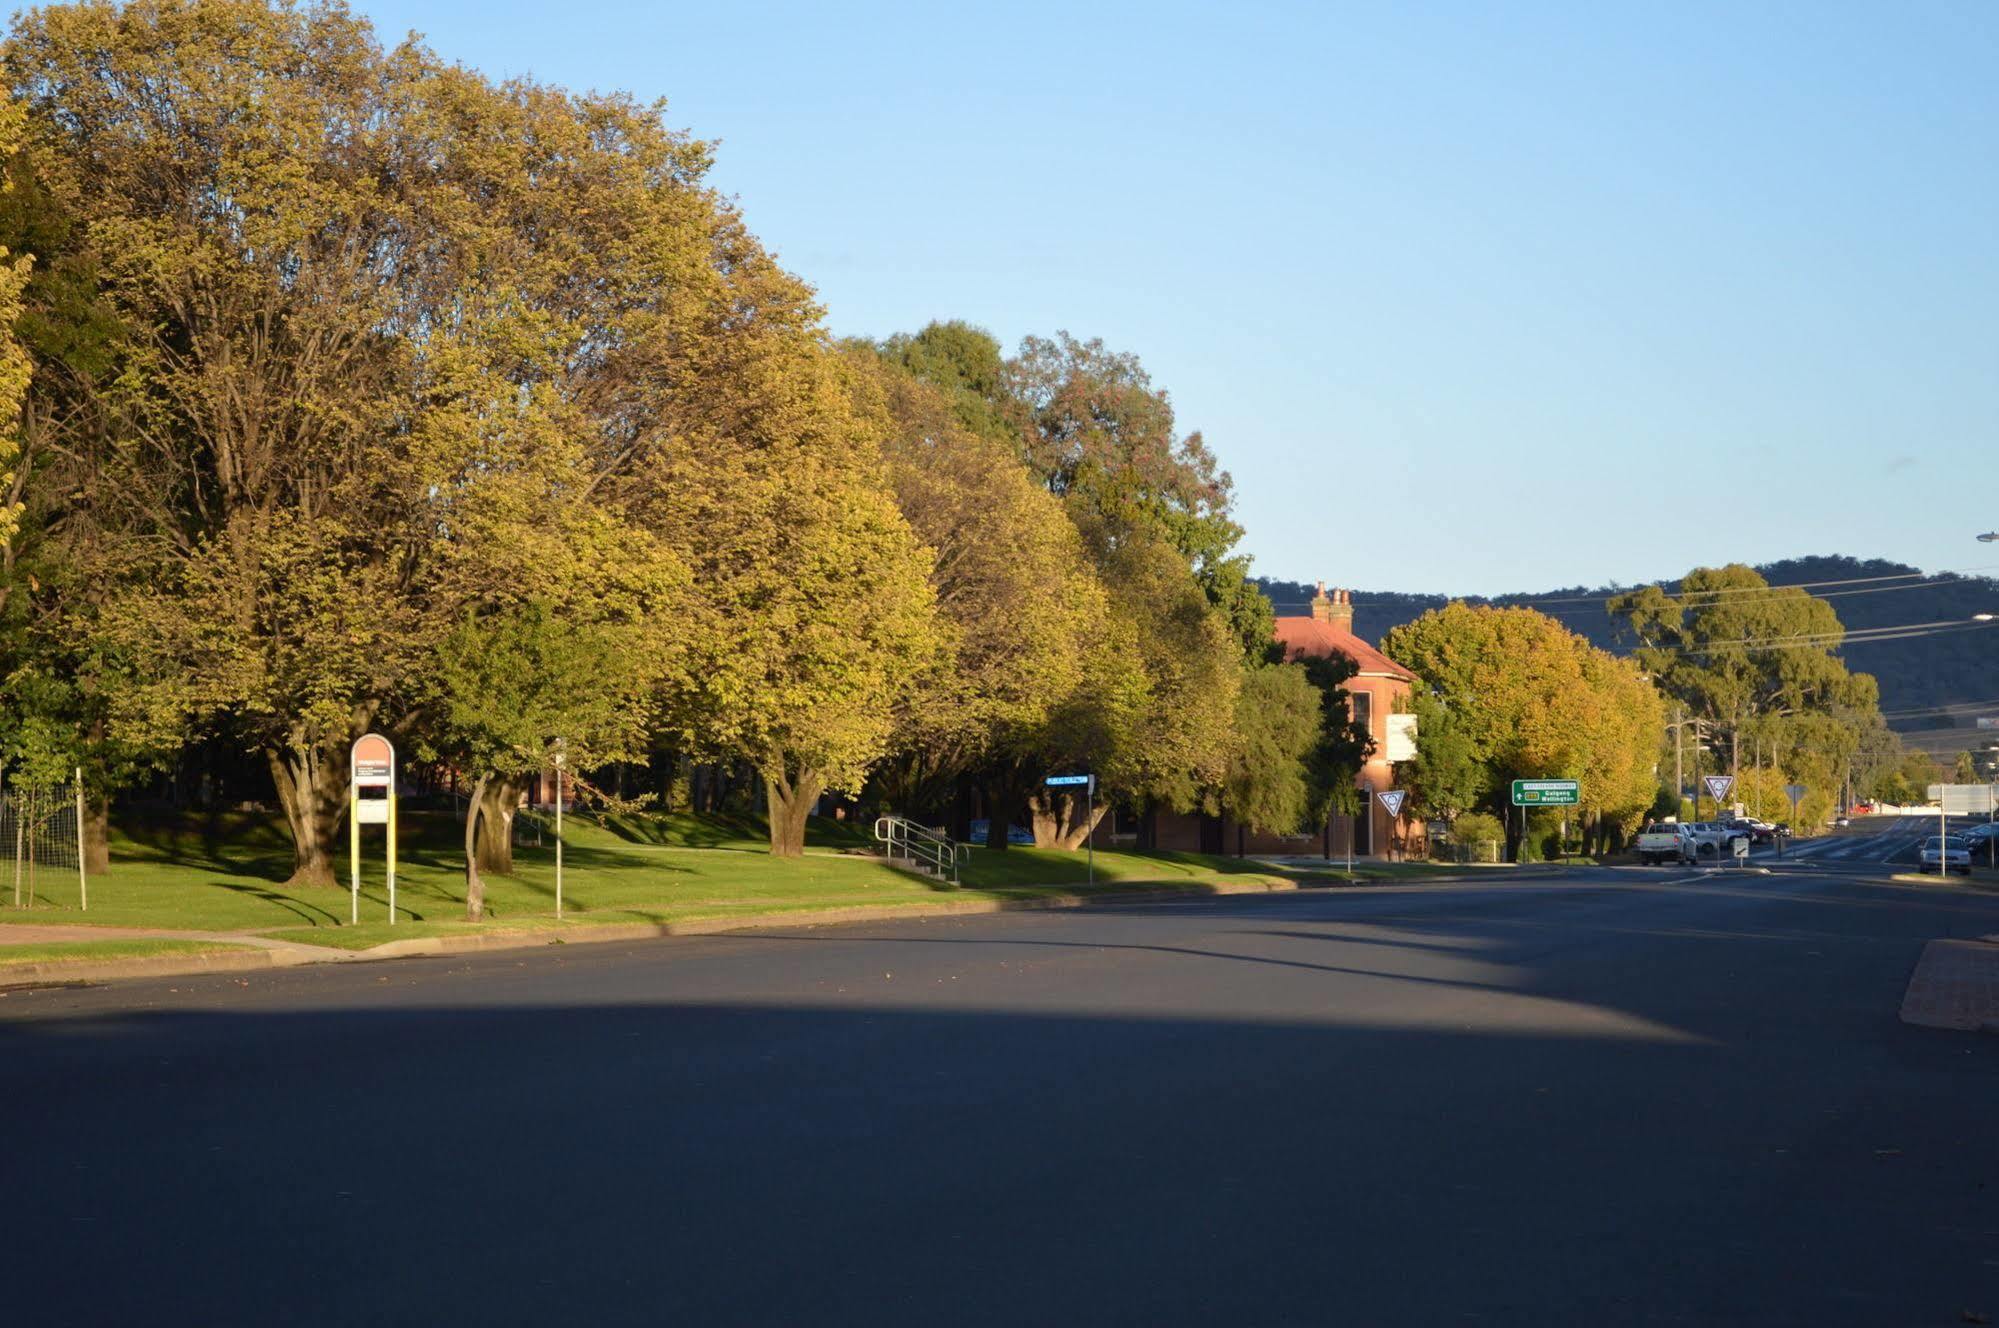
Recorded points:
356,289
815,608
1760,667
1526,698
1019,606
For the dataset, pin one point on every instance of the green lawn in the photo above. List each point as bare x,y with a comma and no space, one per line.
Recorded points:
226,873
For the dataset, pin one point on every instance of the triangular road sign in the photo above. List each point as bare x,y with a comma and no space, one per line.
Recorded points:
1391,800
1719,785
1794,792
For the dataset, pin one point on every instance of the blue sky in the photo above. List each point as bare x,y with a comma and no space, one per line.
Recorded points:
1468,298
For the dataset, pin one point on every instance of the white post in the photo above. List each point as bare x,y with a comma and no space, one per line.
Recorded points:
353,850
82,881
1089,831
558,836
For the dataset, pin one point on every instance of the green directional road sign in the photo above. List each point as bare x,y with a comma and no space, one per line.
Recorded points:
1546,793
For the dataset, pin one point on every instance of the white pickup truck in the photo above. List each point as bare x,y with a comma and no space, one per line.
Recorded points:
1685,841
1665,841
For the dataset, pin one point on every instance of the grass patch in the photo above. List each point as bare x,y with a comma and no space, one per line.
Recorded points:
225,873
79,952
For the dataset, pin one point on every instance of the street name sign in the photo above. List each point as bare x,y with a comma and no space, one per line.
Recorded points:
1071,781
1546,793
1718,786
1391,800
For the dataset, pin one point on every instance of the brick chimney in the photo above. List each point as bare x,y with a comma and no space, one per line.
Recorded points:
1336,609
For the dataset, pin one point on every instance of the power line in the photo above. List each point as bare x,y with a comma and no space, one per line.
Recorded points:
1692,598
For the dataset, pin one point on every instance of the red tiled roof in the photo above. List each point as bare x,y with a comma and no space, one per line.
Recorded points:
1310,636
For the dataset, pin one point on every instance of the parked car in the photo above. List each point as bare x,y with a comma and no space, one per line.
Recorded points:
1664,841
1708,838
1861,809
1948,853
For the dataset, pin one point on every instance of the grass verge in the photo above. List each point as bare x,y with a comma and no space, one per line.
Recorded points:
226,874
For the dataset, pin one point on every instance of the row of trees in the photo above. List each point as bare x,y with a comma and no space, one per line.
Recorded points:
1510,694
357,390
1727,675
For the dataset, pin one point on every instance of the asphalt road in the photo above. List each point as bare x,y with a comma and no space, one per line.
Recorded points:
1641,1096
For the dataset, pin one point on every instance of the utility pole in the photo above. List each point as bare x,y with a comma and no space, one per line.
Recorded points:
1679,775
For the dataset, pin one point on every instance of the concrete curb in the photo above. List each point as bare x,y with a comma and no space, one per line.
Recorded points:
243,959
296,955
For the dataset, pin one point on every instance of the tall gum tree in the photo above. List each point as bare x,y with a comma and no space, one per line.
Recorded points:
1019,605
813,597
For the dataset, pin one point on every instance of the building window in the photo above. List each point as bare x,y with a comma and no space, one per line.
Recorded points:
1362,705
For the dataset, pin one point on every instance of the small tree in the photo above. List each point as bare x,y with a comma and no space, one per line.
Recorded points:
1472,830
1277,723
508,686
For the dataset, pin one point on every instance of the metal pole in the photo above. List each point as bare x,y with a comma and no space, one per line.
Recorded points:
1089,830
1679,775
82,881
558,839
391,790
354,850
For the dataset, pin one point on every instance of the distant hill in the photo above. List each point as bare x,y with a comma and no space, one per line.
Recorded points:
1931,686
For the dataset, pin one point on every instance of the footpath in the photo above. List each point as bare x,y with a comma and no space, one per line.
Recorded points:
1955,985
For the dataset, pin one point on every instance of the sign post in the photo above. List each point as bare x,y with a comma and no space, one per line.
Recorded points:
1391,802
1545,793
560,754
1089,786
371,764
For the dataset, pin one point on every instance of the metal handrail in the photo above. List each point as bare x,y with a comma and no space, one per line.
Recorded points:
902,837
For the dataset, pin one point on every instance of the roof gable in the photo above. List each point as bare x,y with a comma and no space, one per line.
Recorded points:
1302,637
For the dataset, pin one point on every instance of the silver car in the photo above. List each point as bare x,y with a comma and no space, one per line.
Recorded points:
1945,854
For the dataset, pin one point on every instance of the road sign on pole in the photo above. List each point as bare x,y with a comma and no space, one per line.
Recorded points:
1391,800
371,765
1546,793
1796,793
1089,786
1718,787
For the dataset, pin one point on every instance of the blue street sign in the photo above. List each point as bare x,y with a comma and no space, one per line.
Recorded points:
1069,779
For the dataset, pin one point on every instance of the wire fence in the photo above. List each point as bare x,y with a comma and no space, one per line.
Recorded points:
42,847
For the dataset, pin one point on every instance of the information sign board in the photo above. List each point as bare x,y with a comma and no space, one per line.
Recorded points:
1546,793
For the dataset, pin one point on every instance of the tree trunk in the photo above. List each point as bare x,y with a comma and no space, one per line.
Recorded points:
312,795
1045,814
1003,802
1077,830
790,802
475,885
96,834
495,844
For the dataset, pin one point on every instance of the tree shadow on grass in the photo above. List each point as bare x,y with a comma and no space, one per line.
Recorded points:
313,914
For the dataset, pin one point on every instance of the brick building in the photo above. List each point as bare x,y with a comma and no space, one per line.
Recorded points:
1375,694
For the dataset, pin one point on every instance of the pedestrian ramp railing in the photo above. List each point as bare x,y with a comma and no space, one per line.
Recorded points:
903,840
